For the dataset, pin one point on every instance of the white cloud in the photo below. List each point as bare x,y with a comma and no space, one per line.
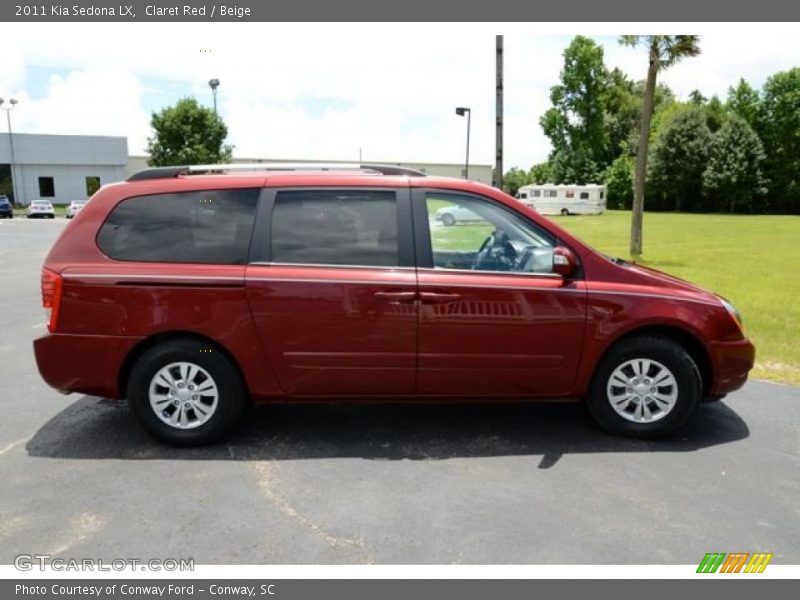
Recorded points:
326,90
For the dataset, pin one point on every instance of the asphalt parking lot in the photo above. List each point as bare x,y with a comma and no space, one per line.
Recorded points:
527,483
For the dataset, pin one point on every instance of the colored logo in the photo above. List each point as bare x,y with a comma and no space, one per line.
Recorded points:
735,562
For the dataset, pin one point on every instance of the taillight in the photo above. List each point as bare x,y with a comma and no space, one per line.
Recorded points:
51,296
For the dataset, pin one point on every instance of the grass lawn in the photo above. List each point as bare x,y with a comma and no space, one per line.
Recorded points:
754,261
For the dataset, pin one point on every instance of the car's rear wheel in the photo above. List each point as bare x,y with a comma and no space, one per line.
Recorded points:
448,219
186,392
645,387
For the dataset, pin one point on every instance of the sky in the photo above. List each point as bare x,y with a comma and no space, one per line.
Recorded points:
336,91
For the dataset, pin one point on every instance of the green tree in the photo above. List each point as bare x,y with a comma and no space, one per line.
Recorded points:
663,51
715,114
696,97
187,134
745,101
623,104
733,176
575,123
781,138
540,173
678,160
619,182
514,179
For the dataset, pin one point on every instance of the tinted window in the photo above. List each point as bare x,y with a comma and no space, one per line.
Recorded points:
192,227
584,195
340,227
47,187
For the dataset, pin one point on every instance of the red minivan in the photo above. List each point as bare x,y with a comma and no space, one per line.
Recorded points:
193,290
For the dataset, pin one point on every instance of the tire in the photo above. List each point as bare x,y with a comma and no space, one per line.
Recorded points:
649,360
564,212
216,413
448,220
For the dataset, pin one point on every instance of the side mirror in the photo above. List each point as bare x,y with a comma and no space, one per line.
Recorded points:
565,263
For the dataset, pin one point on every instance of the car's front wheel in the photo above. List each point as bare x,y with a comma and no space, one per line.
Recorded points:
645,387
448,220
186,392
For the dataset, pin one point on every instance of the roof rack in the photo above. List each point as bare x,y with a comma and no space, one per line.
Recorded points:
169,172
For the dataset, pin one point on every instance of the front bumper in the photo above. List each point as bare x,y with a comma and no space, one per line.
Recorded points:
732,363
88,364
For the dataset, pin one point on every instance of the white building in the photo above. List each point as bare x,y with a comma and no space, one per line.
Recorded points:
63,168
60,168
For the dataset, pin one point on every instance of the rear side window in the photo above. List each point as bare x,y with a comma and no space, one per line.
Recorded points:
189,227
339,227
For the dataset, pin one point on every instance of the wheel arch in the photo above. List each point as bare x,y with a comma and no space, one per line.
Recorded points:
686,339
144,345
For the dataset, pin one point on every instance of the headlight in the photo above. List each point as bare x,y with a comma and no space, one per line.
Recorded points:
733,312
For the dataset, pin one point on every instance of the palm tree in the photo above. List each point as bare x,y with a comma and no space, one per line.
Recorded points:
664,51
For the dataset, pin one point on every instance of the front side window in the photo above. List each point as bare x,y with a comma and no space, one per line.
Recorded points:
335,227
212,227
468,232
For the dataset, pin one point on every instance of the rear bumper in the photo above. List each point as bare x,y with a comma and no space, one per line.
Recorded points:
732,363
87,364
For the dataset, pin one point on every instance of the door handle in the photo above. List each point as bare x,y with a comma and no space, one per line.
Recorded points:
396,296
438,297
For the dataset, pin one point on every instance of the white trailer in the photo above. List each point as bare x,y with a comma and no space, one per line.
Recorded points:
551,199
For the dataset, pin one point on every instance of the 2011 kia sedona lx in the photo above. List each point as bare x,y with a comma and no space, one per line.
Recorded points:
192,291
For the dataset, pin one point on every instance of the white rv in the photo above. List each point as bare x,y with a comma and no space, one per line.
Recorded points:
551,199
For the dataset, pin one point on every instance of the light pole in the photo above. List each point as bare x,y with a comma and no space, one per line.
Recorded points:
461,111
12,102
214,84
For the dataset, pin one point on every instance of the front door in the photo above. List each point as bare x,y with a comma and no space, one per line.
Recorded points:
334,297
495,320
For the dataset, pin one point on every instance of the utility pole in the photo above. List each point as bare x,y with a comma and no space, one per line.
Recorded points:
498,136
461,111
18,194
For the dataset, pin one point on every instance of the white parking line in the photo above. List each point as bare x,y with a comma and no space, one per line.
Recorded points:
13,445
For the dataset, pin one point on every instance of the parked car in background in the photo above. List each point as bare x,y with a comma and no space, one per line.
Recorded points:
453,214
40,209
74,208
192,291
6,210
